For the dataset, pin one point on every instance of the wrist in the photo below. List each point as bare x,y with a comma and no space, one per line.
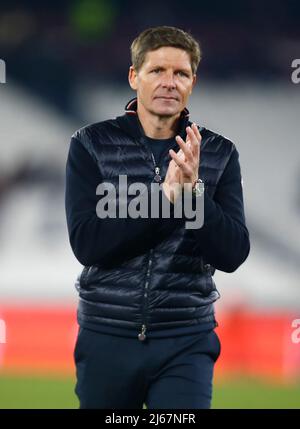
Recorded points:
166,190
198,188
171,192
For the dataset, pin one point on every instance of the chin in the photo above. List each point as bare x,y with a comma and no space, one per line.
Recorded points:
165,111
165,107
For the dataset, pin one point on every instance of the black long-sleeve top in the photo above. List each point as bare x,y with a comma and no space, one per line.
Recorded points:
223,239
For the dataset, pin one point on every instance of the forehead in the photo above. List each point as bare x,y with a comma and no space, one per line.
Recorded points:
169,57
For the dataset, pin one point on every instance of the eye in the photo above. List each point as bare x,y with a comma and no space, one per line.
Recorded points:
182,73
157,70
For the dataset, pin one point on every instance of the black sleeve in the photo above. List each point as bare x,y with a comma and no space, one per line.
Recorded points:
223,239
95,240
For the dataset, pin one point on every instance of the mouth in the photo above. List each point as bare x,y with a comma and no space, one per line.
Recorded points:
166,98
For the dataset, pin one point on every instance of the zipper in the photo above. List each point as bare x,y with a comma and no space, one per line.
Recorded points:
142,333
157,169
157,176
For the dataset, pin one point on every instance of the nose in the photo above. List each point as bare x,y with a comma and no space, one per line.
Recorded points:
168,80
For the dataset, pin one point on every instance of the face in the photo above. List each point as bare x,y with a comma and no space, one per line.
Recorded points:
164,81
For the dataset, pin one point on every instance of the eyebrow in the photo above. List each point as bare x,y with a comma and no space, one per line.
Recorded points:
188,71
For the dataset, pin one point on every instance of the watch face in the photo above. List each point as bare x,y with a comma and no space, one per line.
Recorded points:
198,189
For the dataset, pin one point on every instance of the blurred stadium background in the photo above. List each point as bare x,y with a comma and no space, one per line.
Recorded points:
66,66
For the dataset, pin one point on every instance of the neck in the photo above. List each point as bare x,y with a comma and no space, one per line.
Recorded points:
158,127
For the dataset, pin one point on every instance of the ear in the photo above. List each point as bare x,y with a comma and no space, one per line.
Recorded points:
132,78
194,82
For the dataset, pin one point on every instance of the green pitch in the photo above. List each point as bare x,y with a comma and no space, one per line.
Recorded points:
51,392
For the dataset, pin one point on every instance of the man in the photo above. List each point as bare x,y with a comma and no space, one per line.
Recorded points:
146,291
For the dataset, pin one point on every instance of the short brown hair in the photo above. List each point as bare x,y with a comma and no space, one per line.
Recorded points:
158,37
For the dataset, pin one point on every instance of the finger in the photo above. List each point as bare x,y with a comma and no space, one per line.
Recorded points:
188,143
186,169
197,147
199,137
186,149
181,154
191,132
177,158
197,132
193,142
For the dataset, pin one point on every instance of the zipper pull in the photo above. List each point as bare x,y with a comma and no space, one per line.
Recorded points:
142,335
157,177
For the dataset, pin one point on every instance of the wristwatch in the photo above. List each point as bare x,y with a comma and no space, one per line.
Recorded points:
198,188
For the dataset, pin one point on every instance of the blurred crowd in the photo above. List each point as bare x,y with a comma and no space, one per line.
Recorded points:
51,46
